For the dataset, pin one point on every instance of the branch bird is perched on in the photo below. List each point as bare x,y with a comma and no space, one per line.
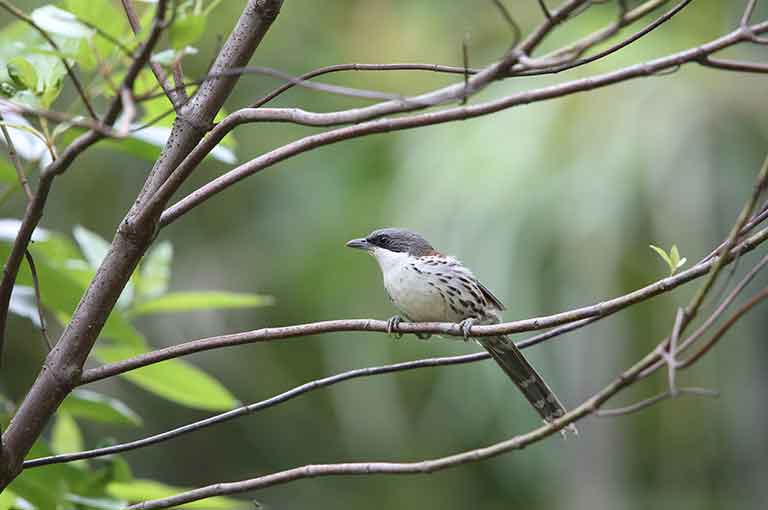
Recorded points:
427,286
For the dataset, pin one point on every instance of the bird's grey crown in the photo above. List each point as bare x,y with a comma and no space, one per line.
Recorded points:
400,240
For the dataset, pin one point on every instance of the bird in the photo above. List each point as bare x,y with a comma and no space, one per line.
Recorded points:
425,285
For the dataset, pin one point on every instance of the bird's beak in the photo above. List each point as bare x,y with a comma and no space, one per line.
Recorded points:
360,244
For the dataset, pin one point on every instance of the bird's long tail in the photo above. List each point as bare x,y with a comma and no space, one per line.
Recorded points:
525,377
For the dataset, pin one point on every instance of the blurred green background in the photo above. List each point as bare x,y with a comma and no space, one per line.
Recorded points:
552,204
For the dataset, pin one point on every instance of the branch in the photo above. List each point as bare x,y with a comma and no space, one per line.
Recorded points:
38,300
258,406
597,310
157,70
299,390
643,404
626,18
14,157
422,467
738,314
363,128
543,66
733,65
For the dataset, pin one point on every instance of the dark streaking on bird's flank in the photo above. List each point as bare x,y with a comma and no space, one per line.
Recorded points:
427,286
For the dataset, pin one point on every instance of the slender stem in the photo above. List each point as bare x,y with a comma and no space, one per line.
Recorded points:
14,157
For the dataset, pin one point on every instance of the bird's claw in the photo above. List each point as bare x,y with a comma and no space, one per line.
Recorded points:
392,324
466,326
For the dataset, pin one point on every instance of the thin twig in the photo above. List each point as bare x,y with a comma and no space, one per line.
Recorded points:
648,402
733,319
74,120
733,65
744,217
577,48
725,304
38,300
15,11
517,34
14,157
545,10
537,67
133,18
157,70
258,406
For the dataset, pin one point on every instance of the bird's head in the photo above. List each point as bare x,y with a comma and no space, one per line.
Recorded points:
393,240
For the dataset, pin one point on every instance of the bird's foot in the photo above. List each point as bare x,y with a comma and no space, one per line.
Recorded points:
465,326
392,324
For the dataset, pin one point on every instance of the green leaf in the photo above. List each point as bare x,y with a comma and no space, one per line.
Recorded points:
201,300
141,490
22,73
7,500
673,260
58,21
146,143
66,436
95,503
155,273
174,380
7,173
169,56
187,29
89,405
95,248
663,255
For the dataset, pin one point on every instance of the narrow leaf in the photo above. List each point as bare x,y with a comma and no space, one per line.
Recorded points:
58,21
66,436
174,380
93,246
663,255
22,73
94,249
141,490
89,405
202,300
155,274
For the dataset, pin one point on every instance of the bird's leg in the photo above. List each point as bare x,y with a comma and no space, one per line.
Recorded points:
392,324
466,325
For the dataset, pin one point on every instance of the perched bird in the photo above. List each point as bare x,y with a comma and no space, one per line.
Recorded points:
427,286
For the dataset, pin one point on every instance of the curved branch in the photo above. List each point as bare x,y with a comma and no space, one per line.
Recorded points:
295,392
386,125
597,310
457,92
733,319
421,467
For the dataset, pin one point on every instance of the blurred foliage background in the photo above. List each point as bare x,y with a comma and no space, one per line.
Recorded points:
552,204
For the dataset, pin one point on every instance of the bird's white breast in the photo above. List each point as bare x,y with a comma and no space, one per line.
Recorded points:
412,292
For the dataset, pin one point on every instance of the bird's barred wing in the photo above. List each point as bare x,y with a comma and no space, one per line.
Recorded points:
490,297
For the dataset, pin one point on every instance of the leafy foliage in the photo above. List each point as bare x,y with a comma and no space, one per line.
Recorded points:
65,268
